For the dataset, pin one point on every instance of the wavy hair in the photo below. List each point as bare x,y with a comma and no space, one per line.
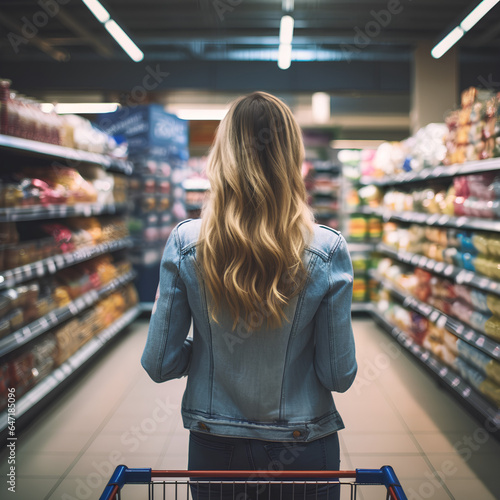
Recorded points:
256,221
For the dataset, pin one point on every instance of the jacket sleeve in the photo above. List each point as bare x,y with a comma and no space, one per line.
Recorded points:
167,354
334,358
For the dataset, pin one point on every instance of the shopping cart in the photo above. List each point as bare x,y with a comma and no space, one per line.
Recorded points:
259,485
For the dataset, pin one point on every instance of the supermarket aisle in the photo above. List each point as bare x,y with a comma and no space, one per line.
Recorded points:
394,414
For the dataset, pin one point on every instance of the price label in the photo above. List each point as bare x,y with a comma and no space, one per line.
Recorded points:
480,341
439,267
441,322
72,308
470,335
51,266
40,271
459,329
443,371
460,277
69,258
432,219
448,270
44,323
422,261
28,271
455,382
431,264
493,285
434,316
461,221
443,220
415,259
425,356
59,260
466,392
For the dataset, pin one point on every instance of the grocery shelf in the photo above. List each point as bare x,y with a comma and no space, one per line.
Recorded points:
36,328
50,265
438,220
361,307
360,247
449,271
453,325
193,206
440,172
451,379
48,384
37,212
43,149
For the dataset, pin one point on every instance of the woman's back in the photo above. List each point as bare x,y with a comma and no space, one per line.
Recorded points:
254,381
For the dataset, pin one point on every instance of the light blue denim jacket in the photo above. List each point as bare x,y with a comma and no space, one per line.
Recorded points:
267,384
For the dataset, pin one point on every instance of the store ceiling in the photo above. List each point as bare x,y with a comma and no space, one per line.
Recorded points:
231,46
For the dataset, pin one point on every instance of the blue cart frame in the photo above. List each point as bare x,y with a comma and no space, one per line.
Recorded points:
123,475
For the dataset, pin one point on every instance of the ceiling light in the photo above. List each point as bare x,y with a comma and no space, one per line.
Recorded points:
124,41
98,10
477,14
447,42
200,114
284,56
80,108
286,30
321,107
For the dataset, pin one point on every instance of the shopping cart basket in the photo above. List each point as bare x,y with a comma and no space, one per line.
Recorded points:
277,485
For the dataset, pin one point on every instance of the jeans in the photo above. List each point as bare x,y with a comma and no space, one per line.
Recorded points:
208,452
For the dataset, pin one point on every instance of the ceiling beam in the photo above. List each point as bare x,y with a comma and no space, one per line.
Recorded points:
16,36
73,25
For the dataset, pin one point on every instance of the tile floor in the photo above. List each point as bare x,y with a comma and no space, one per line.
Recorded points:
394,414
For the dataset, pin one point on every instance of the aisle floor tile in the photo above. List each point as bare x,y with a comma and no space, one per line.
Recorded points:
469,489
139,443
27,487
453,442
429,489
380,443
44,463
84,487
51,442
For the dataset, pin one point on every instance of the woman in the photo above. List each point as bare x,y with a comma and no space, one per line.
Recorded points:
269,294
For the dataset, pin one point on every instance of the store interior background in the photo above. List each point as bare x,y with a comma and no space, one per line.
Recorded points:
368,66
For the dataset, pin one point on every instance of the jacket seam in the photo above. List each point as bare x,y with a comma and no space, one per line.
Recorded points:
334,248
296,320
213,416
168,314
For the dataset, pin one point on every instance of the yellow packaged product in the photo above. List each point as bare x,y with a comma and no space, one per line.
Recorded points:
492,328
480,242
491,390
493,303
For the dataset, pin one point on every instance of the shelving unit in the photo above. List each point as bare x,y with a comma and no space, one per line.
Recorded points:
478,340
16,214
427,174
19,341
58,316
62,374
459,329
449,271
50,265
18,145
454,382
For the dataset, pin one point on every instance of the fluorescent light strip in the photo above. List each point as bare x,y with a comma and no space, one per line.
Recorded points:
447,42
477,14
468,23
98,10
80,108
124,41
200,114
284,56
286,30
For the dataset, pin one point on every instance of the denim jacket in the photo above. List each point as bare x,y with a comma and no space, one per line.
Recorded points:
264,384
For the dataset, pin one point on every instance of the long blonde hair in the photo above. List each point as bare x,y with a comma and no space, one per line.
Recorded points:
256,222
